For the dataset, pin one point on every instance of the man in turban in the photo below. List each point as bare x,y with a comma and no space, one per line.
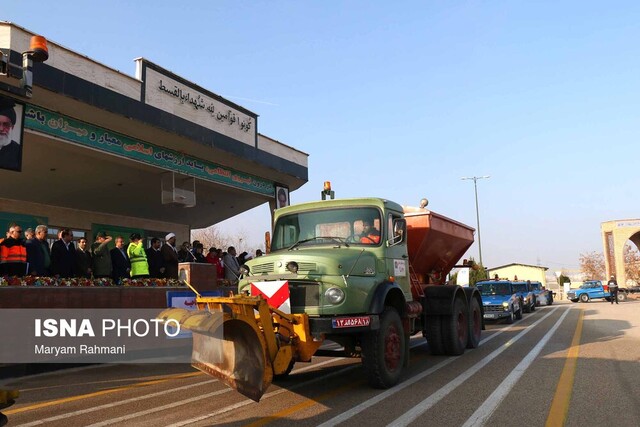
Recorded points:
10,150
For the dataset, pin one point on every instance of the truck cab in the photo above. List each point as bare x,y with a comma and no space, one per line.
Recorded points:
499,300
331,264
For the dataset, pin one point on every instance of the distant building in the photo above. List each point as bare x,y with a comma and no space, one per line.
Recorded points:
513,271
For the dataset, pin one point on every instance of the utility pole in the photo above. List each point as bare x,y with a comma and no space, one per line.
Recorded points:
475,186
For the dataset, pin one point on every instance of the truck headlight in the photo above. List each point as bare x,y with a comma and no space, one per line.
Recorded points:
334,295
505,306
292,266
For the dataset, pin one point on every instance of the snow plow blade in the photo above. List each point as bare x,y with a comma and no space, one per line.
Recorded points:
227,346
243,341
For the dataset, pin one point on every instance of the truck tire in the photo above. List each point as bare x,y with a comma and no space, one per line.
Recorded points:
584,298
433,334
475,324
519,314
533,306
383,351
455,329
622,296
511,317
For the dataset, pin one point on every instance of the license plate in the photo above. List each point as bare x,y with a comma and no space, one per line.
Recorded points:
490,316
351,322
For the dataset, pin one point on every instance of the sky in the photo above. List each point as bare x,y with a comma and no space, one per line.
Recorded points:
400,100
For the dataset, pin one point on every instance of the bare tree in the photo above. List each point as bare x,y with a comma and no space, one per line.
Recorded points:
213,237
592,265
631,263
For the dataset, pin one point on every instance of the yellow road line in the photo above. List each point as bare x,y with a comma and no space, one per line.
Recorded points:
303,405
98,393
560,404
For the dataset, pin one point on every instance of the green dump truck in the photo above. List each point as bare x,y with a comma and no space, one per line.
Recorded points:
366,273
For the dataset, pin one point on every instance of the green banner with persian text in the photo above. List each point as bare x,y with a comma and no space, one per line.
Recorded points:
82,133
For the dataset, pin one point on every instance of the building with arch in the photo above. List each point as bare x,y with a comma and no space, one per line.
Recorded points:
615,235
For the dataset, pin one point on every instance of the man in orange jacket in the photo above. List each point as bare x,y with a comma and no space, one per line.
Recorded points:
13,253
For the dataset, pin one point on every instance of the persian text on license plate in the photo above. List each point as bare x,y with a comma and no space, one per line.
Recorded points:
351,322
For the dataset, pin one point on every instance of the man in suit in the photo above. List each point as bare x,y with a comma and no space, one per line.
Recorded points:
154,259
231,266
38,252
83,259
63,255
170,256
120,261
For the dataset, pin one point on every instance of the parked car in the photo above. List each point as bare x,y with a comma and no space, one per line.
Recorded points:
527,297
543,295
499,300
594,289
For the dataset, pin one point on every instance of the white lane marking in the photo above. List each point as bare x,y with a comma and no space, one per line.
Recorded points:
421,342
182,402
128,417
111,405
390,392
482,414
266,396
427,403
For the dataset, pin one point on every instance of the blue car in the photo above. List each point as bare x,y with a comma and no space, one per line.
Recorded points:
527,297
543,296
499,300
593,289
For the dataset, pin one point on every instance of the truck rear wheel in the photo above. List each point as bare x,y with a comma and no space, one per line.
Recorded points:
622,296
383,351
455,329
433,333
475,324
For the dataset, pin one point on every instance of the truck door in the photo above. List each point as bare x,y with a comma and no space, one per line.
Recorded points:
397,257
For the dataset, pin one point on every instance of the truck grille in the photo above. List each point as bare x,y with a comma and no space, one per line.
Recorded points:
571,295
307,266
303,294
269,267
493,308
262,268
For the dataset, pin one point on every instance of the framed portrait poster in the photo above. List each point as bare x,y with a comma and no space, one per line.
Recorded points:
282,197
11,128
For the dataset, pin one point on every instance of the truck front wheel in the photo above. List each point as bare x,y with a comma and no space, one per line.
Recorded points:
584,298
383,351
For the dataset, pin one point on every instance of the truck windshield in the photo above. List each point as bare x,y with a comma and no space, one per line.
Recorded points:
519,287
352,226
536,286
496,289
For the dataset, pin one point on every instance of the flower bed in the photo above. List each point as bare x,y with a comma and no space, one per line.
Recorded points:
80,282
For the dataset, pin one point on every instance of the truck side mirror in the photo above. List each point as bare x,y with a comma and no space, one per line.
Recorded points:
399,231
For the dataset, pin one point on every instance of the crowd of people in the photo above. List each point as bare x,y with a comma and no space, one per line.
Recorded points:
32,255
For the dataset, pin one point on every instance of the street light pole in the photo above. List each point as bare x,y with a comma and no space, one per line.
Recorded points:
475,186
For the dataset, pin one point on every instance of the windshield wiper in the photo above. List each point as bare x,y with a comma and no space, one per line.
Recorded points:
338,240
